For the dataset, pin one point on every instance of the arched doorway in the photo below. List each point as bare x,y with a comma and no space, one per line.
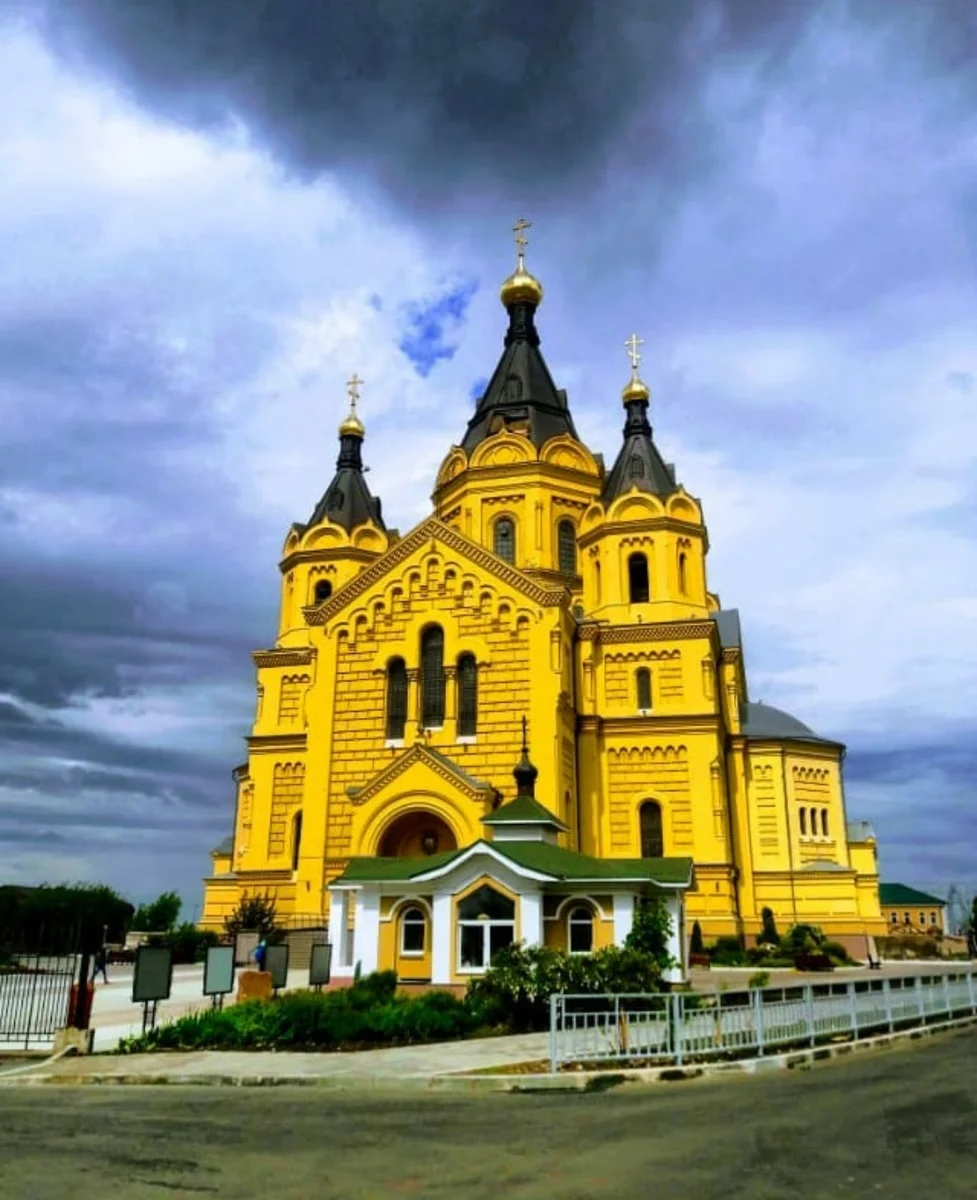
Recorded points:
416,834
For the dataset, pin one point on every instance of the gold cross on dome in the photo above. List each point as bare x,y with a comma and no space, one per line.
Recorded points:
353,387
521,240
632,345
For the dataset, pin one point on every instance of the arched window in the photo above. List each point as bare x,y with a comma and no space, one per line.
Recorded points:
643,680
682,574
296,839
638,579
824,822
467,695
396,699
814,822
323,590
486,925
432,677
803,813
652,842
413,930
580,930
566,537
505,539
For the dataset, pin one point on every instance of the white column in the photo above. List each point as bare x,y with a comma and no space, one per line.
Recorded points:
366,931
441,949
676,942
338,921
531,918
623,916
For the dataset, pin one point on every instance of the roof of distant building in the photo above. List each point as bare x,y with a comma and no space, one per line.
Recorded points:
897,894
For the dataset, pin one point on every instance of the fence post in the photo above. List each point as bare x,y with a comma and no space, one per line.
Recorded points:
675,1016
920,1000
618,1031
853,1005
946,994
887,995
758,1020
809,1009
970,988
554,1001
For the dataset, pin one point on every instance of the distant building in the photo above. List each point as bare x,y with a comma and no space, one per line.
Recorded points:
908,911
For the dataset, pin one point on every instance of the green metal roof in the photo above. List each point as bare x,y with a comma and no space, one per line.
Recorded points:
555,861
524,810
898,893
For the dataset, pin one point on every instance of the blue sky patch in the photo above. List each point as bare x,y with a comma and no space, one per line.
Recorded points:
429,327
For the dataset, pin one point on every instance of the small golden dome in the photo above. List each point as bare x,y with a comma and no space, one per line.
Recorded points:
352,425
521,287
636,389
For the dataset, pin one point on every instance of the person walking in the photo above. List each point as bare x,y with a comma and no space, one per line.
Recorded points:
260,952
101,963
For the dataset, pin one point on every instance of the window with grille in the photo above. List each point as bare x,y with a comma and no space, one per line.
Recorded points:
467,695
652,840
505,539
432,677
644,688
638,579
396,699
567,545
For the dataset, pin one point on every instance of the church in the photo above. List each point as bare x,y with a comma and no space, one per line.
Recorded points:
527,714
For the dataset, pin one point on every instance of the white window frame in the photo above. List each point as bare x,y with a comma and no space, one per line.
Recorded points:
402,920
570,923
509,923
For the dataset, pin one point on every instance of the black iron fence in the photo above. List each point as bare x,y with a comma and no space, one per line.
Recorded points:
38,995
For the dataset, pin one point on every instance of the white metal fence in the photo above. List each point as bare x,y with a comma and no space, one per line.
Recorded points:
685,1027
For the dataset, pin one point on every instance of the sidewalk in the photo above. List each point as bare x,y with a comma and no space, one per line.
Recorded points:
393,1065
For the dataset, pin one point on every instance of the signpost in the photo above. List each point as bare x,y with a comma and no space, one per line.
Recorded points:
320,965
276,964
219,974
152,981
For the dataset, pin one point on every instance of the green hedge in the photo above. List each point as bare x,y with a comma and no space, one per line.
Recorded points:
367,1013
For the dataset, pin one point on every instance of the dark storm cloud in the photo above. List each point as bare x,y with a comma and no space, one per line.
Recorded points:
431,99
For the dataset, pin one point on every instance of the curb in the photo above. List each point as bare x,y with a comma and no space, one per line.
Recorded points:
575,1081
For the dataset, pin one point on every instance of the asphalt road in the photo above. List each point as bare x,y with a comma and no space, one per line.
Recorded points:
897,1123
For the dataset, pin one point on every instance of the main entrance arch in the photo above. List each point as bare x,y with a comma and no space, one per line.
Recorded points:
415,834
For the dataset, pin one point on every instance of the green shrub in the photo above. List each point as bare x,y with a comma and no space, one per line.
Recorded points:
759,979
366,1014
836,951
650,932
254,914
159,916
727,951
695,942
802,939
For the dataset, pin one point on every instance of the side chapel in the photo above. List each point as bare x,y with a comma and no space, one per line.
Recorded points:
551,604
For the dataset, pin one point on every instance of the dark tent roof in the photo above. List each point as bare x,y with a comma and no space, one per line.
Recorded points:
521,391
347,501
638,464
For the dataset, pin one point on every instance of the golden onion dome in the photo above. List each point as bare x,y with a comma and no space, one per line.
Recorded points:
352,425
521,287
636,389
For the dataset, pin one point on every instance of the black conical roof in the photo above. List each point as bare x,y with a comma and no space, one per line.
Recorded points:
347,501
521,391
638,464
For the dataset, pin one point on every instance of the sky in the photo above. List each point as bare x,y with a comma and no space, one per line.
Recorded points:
211,215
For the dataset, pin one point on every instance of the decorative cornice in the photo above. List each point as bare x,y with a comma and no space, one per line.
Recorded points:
732,654
661,521
660,631
346,553
549,575
269,743
666,723
301,657
419,753
432,530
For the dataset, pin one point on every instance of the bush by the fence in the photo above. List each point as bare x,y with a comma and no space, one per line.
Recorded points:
366,1014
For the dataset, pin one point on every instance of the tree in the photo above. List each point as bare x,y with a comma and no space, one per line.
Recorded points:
650,932
972,931
695,944
62,918
254,914
159,916
768,935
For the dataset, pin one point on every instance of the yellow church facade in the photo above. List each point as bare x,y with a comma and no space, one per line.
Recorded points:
379,792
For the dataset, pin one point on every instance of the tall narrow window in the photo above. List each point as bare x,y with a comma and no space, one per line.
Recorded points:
652,841
597,579
323,590
803,813
638,579
644,688
580,930
432,677
396,699
682,577
413,926
296,839
566,537
814,822
824,822
505,539
467,695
